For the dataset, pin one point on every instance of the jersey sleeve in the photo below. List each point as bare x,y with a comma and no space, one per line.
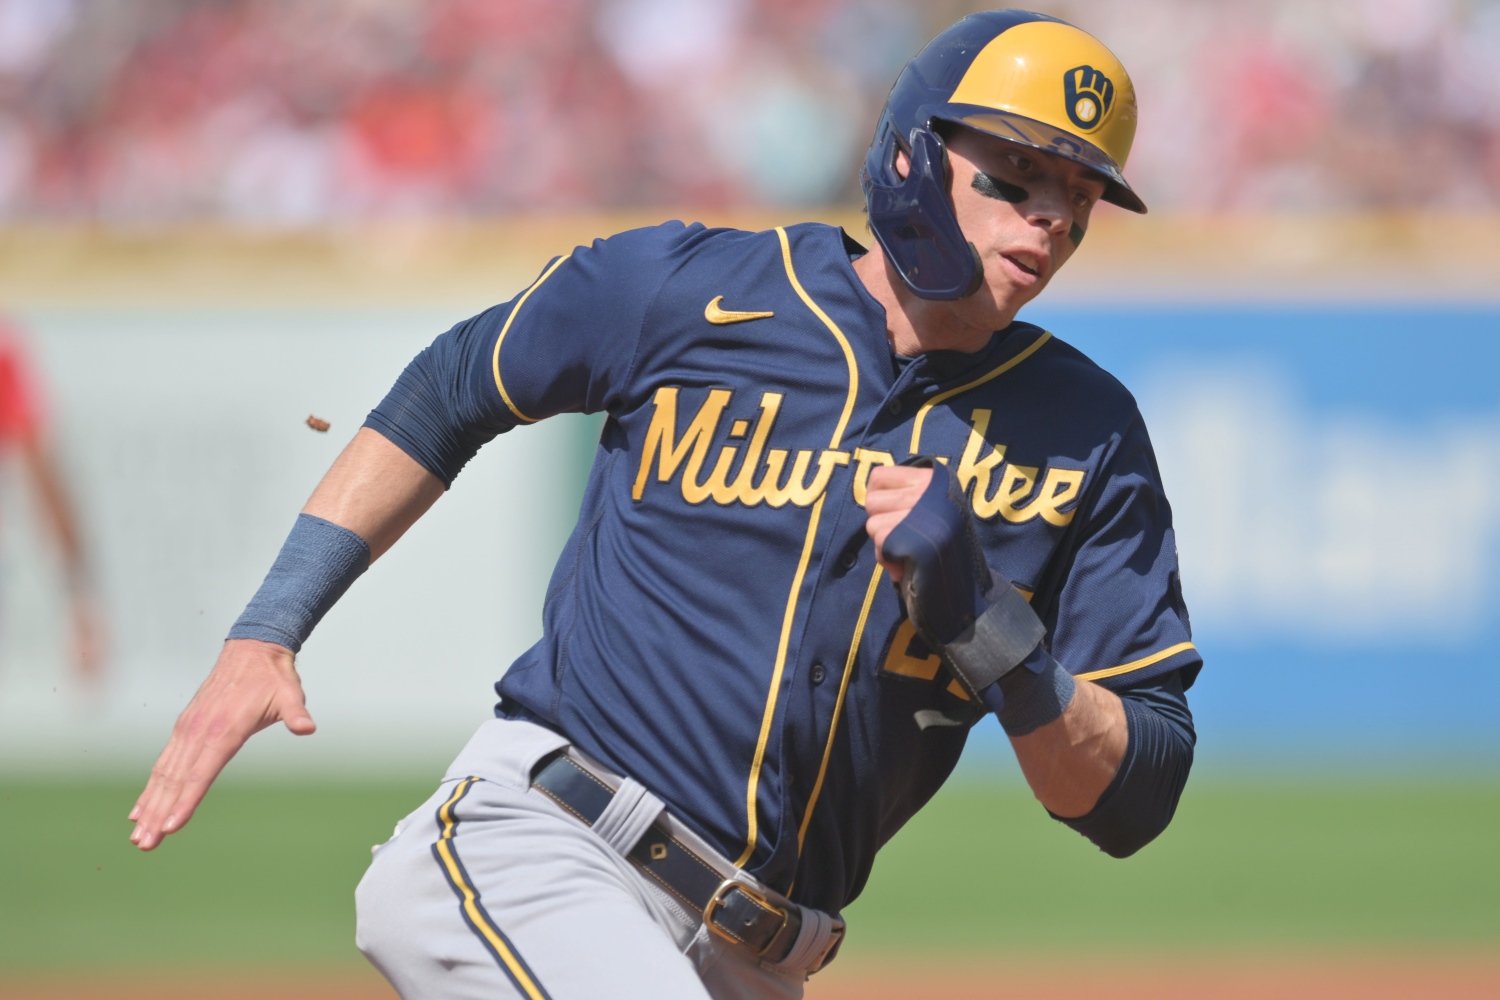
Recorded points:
1120,617
565,344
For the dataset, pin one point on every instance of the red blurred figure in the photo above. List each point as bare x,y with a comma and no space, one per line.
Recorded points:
22,432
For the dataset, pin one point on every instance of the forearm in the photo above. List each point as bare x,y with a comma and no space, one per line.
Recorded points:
369,497
365,502
375,490
1112,767
1070,761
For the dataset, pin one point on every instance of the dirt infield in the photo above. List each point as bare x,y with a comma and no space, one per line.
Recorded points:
1348,977
1465,977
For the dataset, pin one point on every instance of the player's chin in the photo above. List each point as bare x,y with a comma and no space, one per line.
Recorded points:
1008,288
994,308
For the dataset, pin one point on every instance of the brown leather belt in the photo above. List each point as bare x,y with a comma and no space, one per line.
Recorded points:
734,911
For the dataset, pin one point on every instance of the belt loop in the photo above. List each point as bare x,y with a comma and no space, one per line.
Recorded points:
628,816
733,904
817,940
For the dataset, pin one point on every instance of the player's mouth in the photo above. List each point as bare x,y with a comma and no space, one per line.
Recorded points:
1031,265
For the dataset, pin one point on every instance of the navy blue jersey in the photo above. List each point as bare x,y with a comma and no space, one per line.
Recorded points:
717,626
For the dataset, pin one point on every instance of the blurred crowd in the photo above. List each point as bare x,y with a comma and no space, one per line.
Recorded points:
301,112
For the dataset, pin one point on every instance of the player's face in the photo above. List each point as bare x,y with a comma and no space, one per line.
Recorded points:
1024,211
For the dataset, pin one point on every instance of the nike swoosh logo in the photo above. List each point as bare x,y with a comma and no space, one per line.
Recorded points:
720,316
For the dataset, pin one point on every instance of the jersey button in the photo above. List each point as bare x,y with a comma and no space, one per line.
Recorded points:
818,673
894,407
849,558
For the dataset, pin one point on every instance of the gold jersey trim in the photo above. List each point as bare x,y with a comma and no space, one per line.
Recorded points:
500,340
1134,665
838,707
768,716
994,373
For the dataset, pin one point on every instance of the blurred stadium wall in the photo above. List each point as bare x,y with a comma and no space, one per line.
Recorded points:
1308,317
1328,427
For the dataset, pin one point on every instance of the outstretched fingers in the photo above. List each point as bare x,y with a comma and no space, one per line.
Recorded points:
253,685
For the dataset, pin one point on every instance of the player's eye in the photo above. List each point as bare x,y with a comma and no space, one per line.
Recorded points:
1021,162
1087,195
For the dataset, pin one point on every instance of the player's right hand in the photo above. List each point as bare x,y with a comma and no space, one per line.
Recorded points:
252,685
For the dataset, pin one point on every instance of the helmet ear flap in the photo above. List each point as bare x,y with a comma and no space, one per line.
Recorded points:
913,219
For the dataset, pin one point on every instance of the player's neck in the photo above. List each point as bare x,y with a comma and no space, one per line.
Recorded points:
915,325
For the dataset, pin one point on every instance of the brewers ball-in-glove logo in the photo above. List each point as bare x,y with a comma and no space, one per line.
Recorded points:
1088,94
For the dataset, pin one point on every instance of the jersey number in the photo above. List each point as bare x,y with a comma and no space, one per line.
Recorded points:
910,657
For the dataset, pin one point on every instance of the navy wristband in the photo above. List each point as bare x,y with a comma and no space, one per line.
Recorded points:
1035,693
316,565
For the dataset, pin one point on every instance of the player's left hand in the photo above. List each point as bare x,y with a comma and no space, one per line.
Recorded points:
924,535
891,493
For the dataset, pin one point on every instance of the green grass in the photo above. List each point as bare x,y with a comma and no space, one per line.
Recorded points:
264,875
1245,865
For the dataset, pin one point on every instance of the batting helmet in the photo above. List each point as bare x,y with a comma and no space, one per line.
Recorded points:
1023,77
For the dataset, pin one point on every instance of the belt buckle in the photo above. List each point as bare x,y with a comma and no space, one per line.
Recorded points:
717,900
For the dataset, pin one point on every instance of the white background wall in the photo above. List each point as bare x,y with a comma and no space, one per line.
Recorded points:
184,436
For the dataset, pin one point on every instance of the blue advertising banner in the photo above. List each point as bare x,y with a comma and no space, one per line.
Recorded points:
1335,478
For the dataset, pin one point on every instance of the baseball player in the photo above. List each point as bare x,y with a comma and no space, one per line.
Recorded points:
844,508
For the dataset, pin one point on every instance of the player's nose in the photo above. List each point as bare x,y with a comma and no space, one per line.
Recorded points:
1049,206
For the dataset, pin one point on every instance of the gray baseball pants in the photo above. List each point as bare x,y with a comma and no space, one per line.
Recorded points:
491,889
